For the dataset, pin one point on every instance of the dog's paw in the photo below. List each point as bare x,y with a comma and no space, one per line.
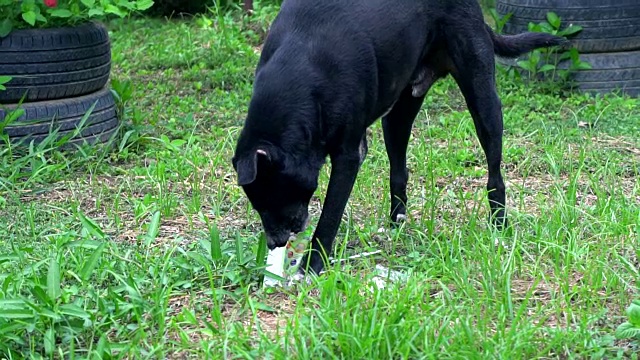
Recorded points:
499,221
398,219
311,264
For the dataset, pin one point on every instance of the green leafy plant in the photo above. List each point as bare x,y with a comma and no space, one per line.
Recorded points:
500,21
555,65
54,13
550,60
630,329
4,80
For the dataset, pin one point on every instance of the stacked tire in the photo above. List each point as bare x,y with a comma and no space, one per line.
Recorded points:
57,76
609,40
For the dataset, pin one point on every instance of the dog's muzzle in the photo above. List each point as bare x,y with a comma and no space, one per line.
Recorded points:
280,238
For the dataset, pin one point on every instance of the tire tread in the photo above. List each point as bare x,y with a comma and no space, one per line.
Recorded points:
40,118
54,64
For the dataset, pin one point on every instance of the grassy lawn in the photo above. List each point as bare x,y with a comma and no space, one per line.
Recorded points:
115,254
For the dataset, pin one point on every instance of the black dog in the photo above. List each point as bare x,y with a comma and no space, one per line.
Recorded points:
329,69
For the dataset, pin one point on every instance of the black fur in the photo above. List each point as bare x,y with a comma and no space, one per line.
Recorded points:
328,70
511,46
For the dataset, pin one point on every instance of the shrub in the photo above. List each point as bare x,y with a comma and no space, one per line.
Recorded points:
19,14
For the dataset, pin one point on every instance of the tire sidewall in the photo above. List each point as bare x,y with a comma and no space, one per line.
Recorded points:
80,56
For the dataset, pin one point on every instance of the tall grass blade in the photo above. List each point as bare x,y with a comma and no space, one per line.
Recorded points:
53,279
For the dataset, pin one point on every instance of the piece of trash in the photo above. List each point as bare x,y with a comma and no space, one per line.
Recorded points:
275,265
380,282
584,124
392,275
499,243
285,261
385,276
357,256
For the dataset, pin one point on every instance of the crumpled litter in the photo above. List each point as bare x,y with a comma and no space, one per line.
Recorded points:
284,262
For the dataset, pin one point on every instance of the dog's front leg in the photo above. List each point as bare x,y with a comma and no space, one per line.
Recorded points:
344,170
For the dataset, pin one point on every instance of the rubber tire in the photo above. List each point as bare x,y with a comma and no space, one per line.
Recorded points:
610,71
608,25
65,115
51,64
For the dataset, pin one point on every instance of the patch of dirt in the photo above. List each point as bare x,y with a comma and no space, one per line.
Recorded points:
269,323
95,198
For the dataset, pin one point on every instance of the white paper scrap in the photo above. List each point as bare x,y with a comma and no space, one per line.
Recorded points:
275,265
386,275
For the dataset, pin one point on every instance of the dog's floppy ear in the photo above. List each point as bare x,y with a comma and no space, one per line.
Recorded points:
247,167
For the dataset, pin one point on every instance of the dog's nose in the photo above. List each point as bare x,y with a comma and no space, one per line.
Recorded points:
277,240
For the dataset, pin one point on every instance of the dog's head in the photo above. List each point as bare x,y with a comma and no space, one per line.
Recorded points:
279,152
278,188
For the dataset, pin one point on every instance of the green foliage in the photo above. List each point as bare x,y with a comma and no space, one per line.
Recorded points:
552,67
499,21
487,4
547,61
3,80
18,14
631,328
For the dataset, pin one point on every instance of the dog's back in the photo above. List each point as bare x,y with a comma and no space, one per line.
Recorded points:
352,42
379,43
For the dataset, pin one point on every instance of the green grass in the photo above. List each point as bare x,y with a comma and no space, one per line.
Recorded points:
150,250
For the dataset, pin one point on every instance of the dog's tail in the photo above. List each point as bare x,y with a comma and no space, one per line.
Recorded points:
511,46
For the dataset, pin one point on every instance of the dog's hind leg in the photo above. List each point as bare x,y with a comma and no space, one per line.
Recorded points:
396,127
474,71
